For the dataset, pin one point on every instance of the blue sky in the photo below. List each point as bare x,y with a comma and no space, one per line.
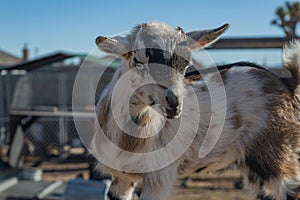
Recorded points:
73,25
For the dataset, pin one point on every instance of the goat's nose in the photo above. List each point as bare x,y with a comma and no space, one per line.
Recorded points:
173,109
172,99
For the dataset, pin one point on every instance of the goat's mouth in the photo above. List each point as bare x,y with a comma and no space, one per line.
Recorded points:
167,112
172,113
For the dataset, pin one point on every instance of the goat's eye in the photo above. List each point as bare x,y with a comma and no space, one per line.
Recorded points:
139,66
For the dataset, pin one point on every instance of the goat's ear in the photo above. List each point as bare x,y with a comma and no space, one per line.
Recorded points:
204,38
115,45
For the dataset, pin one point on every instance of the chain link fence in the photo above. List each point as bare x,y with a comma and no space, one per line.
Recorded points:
37,96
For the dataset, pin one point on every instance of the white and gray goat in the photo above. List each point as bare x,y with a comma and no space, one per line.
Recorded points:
258,117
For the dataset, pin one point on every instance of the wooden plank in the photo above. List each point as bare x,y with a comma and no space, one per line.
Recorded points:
57,193
15,154
25,189
4,185
46,191
52,114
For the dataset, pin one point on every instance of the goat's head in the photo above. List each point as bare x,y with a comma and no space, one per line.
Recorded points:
158,52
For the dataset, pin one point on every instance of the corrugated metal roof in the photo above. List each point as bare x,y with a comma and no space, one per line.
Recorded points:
39,62
57,57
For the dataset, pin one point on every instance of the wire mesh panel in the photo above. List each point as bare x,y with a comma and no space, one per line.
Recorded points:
41,102
52,135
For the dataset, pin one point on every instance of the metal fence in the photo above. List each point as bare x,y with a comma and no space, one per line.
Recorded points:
7,84
38,96
53,136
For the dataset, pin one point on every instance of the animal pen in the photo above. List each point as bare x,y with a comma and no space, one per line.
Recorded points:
36,104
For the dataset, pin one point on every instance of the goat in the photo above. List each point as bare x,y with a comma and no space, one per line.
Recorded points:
239,117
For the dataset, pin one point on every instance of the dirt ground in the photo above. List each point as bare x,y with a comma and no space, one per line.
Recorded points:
212,187
199,187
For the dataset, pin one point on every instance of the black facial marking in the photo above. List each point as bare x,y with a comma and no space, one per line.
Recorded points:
159,56
137,61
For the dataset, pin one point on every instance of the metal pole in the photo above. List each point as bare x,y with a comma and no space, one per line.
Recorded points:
63,136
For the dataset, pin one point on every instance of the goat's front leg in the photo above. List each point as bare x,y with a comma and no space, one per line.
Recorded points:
158,185
121,189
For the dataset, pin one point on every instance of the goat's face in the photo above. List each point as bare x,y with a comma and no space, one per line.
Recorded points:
157,56
160,55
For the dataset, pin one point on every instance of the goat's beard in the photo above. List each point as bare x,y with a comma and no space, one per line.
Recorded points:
148,120
142,114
